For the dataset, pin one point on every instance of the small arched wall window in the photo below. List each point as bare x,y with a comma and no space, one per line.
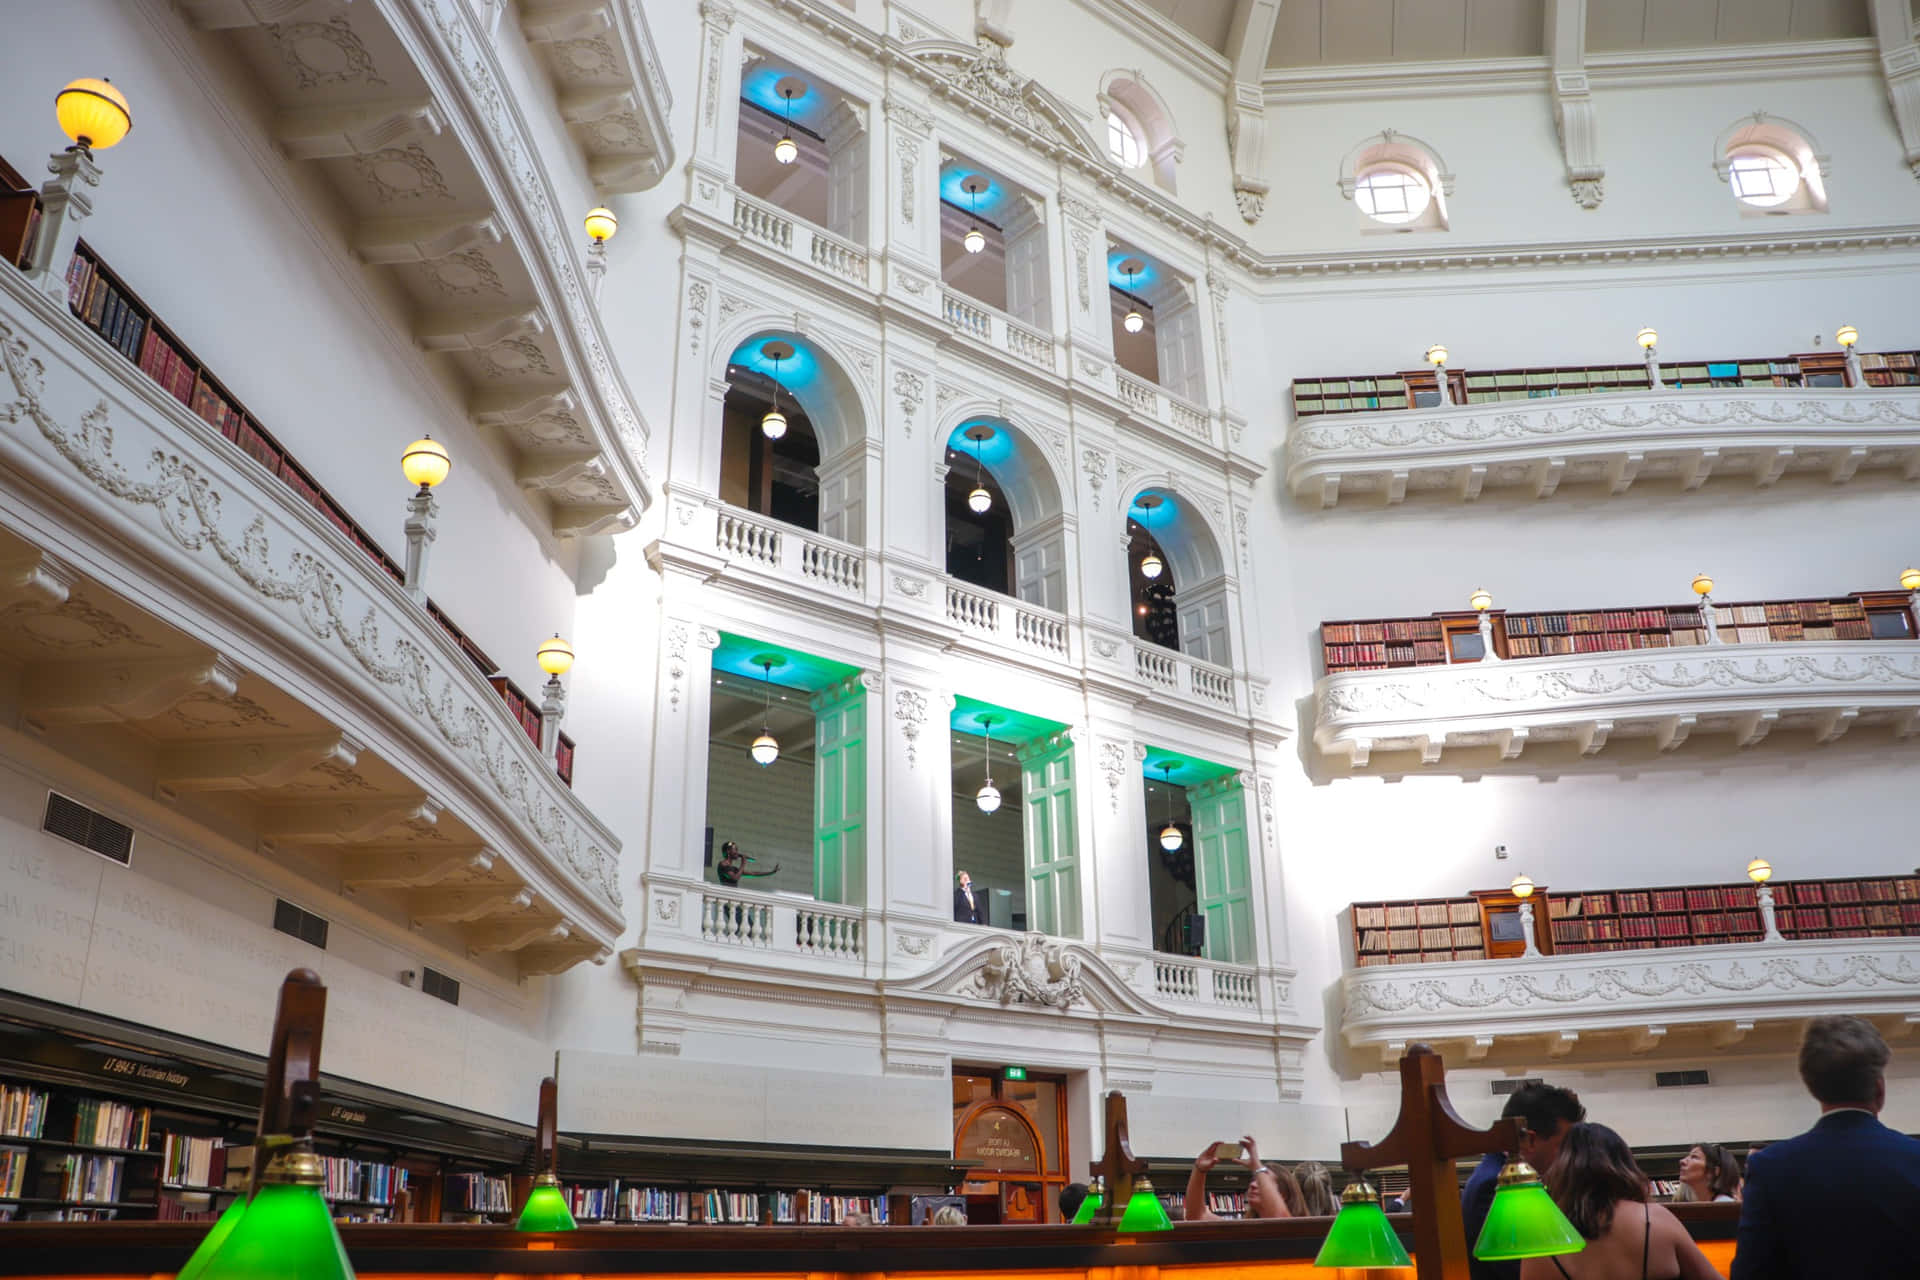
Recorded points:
1772,166
1397,183
1139,128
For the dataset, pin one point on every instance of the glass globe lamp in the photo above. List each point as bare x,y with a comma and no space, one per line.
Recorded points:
988,797
1522,886
1702,584
786,151
773,424
1481,599
979,501
601,224
93,113
555,656
1910,579
1436,354
1647,338
1847,335
425,462
1152,566
1133,321
1759,871
1171,839
974,241
765,749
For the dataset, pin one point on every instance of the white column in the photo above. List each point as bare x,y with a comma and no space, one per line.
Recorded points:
65,201
909,166
1084,267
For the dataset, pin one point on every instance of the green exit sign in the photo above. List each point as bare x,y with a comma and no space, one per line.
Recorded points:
1016,1073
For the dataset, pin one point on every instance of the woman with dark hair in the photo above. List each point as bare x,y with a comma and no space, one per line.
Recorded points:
1603,1193
1708,1172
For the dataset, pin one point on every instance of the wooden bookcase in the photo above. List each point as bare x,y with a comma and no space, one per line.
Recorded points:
19,216
1366,393
1420,931
1386,643
1598,920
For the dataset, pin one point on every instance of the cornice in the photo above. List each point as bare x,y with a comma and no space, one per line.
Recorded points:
1371,82
1725,64
1193,55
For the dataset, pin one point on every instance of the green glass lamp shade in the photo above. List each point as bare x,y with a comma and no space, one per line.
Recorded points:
1144,1210
1361,1235
211,1242
546,1209
1523,1221
285,1233
1088,1207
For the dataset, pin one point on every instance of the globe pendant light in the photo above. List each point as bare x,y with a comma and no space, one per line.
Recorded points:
786,151
988,797
1151,565
974,241
1170,837
1144,1210
979,501
773,423
1361,1235
766,748
1133,321
1090,1207
1523,1221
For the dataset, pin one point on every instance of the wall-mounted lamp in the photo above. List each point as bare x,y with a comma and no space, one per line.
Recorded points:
601,226
1649,343
1846,336
1437,357
425,463
1703,587
555,657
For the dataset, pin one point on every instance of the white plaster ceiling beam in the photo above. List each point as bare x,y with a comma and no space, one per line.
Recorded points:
383,241
345,821
1548,479
553,21
1248,38
476,329
35,581
223,15
1573,110
103,692
463,906
406,866
1727,1034
517,934
513,407
1895,31
321,133
261,765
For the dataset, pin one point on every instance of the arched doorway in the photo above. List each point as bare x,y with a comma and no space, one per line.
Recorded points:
1013,1135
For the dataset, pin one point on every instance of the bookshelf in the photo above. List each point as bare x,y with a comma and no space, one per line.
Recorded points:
1366,393
1377,644
1422,931
102,301
1603,920
19,216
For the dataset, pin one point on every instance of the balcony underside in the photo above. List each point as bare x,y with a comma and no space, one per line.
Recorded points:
1632,1003
1749,691
1684,438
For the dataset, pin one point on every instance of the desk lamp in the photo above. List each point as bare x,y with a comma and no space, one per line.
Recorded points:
546,1206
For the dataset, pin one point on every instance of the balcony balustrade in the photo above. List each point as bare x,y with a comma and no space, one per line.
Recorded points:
1029,626
800,240
1158,405
1187,676
999,330
1195,981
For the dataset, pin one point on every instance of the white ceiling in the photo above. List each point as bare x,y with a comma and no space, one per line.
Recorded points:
1353,32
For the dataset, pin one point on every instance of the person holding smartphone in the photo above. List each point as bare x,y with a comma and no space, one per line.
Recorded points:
1266,1192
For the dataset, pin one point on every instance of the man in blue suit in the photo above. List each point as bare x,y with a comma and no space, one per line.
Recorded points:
1843,1198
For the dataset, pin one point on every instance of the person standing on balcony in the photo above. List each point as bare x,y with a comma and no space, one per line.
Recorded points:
1843,1198
966,908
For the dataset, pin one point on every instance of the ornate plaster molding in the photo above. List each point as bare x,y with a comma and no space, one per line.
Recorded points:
1615,438
1593,700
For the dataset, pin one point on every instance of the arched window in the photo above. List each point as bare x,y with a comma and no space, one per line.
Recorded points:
1140,131
1397,183
804,466
1004,526
1169,524
1772,166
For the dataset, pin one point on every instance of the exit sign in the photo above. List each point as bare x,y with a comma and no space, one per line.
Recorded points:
1016,1073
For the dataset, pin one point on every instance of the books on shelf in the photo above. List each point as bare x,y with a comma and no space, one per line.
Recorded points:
476,1193
13,1171
91,1179
98,1123
361,1180
192,1162
23,1110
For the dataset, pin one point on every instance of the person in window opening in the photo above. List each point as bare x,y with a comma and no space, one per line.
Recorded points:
1600,1188
1548,1112
1708,1172
1272,1193
966,907
733,865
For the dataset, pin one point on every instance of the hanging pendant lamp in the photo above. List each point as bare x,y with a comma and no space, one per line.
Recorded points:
1151,565
975,240
979,501
988,797
766,748
773,423
1170,837
1133,321
786,151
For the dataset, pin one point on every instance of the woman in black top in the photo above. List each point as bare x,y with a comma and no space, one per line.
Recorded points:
1600,1188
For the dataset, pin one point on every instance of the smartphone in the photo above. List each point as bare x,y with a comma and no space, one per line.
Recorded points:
1227,1151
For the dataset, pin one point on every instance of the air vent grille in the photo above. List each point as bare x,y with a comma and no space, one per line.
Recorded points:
440,986
71,820
295,922
1678,1079
1501,1088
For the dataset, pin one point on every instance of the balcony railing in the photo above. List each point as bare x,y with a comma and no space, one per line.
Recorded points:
1194,981
997,329
799,239
1164,407
103,302
790,551
1564,1003
1029,626
1179,673
762,923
